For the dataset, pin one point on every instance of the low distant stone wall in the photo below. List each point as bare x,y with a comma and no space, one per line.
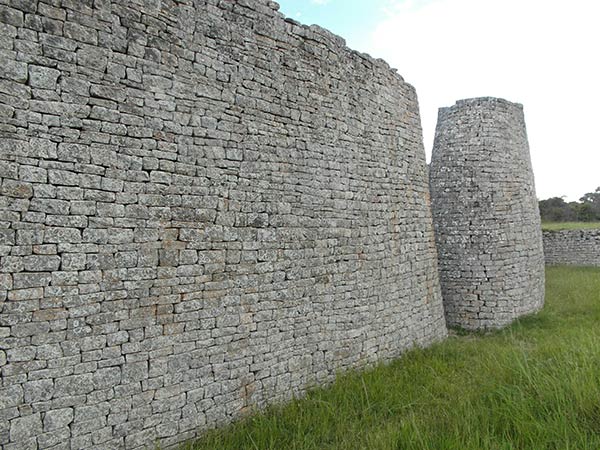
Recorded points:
572,247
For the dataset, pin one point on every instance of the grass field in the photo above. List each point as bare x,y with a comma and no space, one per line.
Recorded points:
532,386
555,226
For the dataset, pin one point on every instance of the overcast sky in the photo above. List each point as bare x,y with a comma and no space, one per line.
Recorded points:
544,54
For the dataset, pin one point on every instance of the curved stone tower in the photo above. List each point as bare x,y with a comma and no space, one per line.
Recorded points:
486,214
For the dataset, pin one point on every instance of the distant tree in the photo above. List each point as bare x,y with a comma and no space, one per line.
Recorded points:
590,206
555,209
587,209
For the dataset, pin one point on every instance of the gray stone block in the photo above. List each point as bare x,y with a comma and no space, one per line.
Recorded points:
43,77
24,428
41,263
57,419
14,70
38,391
19,189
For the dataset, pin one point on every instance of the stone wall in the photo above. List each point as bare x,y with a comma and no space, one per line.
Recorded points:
486,214
204,208
572,247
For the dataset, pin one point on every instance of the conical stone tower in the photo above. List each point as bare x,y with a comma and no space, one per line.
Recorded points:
486,214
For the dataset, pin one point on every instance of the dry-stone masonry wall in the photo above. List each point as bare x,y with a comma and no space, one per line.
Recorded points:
572,247
204,208
486,214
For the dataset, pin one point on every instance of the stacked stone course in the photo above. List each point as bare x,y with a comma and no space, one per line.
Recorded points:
572,247
204,209
486,214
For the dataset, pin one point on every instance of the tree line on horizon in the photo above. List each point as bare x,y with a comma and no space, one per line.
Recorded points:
587,209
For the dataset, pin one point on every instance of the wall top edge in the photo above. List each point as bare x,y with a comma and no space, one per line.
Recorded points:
303,30
482,101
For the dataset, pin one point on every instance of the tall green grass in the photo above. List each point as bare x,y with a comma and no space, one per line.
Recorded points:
534,385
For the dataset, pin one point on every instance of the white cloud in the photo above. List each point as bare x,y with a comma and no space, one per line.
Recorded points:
539,53
320,2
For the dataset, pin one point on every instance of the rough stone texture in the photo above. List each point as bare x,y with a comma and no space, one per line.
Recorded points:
205,208
486,214
572,247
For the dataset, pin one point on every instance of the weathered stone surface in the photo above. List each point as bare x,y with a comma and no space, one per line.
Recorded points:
486,214
11,16
572,247
26,280
57,418
74,385
14,70
24,428
92,57
6,281
37,391
11,395
205,209
43,77
41,263
12,188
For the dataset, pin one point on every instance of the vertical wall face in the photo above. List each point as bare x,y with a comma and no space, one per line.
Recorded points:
204,209
486,214
572,247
